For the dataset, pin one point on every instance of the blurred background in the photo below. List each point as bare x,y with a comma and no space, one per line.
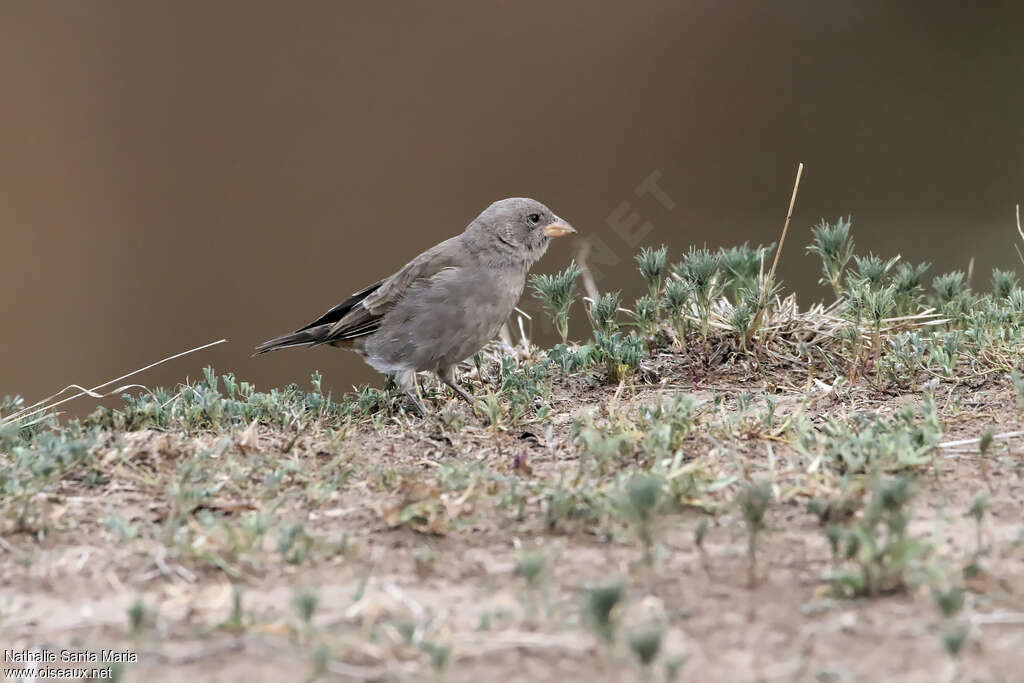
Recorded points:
176,172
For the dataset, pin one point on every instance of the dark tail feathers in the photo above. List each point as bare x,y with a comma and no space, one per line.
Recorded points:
300,338
317,331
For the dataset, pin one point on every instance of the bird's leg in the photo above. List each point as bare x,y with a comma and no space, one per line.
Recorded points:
407,382
447,376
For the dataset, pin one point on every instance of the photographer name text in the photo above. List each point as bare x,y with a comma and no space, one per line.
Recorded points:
69,656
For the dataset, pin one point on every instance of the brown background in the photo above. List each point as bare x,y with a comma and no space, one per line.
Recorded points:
176,172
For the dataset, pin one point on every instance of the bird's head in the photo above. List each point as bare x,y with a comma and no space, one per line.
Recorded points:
518,229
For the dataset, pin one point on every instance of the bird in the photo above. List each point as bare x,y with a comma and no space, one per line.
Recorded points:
442,306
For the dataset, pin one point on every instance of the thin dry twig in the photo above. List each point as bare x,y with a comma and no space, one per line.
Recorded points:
589,284
45,405
969,442
785,227
1020,231
762,302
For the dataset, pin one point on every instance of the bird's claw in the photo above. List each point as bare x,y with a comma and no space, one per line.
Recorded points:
417,403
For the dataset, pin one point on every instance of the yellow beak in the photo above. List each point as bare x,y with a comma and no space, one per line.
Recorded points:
559,230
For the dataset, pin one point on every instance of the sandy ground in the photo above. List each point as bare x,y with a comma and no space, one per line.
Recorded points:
388,592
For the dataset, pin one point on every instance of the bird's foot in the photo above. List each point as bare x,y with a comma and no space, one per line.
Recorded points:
459,391
464,395
414,397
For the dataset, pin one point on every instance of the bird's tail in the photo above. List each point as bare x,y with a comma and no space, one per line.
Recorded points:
300,338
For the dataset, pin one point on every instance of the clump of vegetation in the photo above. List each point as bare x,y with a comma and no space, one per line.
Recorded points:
652,264
1003,283
640,503
678,297
667,425
952,631
203,406
869,443
977,512
604,313
871,269
885,557
699,269
525,386
753,501
599,609
832,242
745,267
906,283
645,644
949,287
617,356
645,315
1017,380
557,293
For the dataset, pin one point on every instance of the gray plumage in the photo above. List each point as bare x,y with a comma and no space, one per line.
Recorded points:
445,304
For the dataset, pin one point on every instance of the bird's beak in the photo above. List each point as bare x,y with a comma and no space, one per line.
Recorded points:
559,229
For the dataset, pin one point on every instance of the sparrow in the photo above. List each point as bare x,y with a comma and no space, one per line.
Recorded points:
445,304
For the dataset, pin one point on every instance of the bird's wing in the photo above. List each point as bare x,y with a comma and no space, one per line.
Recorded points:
365,317
313,333
338,312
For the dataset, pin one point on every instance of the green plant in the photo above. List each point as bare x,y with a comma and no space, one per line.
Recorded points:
984,444
439,653
563,504
872,269
678,297
139,616
906,282
878,305
833,244
903,359
700,532
530,566
645,315
557,292
602,446
599,605
305,603
604,313
744,264
949,602
886,557
620,355
640,503
944,351
949,287
699,269
645,644
524,384
1015,306
867,442
954,635
492,408
294,543
321,660
667,424
1003,282
753,501
673,665
740,321
977,512
652,266
1017,380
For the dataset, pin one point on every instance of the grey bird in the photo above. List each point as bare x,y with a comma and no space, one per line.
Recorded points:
445,304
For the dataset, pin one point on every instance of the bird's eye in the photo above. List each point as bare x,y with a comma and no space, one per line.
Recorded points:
534,218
